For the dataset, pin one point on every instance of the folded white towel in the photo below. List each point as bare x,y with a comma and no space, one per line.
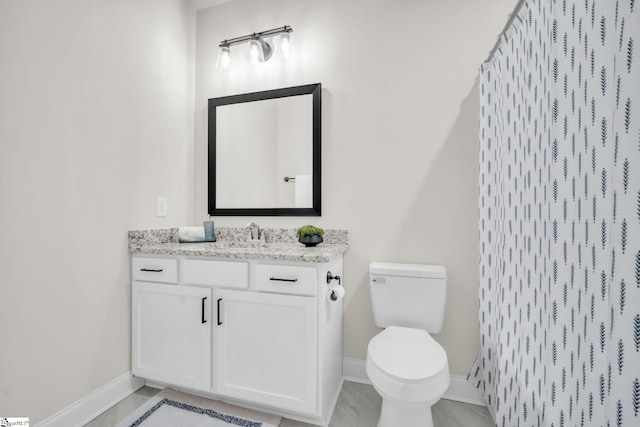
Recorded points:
190,234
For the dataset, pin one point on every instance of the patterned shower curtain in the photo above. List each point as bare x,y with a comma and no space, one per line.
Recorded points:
560,217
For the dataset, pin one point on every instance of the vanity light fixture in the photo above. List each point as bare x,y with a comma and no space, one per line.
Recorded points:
260,49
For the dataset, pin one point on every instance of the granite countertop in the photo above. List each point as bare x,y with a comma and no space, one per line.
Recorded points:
278,245
273,251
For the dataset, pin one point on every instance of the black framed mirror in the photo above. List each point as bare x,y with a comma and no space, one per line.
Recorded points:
265,154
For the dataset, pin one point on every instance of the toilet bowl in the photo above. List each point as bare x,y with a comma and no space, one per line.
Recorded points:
405,365
409,370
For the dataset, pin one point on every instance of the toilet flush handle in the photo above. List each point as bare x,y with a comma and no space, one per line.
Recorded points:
379,280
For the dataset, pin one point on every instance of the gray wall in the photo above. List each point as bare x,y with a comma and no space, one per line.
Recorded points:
96,121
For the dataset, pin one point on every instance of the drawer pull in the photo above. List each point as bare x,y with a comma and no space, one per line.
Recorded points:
152,270
277,279
203,300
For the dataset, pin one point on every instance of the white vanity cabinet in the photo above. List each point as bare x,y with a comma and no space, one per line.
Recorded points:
271,338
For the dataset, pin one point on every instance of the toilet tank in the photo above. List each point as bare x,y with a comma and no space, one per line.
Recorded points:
410,295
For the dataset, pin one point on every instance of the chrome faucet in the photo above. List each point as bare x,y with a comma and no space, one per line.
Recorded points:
254,231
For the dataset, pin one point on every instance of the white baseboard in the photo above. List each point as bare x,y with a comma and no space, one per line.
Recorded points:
459,389
354,370
95,403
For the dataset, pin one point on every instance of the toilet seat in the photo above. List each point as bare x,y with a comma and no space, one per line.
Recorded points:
407,365
407,354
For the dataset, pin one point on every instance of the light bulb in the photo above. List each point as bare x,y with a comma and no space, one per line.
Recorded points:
224,58
255,51
285,44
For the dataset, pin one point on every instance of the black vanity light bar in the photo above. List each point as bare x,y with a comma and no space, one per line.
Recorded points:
253,36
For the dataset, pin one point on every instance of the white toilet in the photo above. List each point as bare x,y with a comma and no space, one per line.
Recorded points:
406,366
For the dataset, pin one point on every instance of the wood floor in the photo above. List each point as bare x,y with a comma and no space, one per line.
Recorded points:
358,406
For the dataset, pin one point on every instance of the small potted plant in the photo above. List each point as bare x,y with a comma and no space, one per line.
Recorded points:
309,235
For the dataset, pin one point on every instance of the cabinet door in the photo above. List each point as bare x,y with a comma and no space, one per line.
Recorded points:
171,334
266,349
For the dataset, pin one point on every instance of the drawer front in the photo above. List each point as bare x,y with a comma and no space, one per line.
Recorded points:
289,279
226,274
153,269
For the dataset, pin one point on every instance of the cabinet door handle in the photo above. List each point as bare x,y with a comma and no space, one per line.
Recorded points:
219,322
152,270
277,279
203,319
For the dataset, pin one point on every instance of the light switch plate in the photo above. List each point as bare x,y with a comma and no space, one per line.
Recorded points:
161,206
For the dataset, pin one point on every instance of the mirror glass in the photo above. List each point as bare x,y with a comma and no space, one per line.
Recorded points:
264,153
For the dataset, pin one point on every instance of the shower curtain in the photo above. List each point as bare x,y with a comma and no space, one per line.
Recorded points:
560,217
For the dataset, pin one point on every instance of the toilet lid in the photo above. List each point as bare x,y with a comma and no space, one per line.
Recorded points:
408,354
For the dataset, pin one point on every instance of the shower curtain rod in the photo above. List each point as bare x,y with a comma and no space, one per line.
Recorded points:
512,16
